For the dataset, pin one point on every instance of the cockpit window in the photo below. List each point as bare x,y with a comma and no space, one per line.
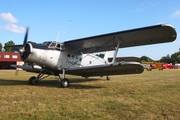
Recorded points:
46,43
54,45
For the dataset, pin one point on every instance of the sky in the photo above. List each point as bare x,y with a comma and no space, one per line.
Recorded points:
75,19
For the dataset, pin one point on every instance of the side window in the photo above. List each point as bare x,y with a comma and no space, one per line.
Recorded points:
68,55
76,57
58,45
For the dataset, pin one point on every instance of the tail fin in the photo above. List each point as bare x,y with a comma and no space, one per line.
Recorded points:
109,54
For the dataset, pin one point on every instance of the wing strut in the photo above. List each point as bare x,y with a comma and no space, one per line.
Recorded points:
116,50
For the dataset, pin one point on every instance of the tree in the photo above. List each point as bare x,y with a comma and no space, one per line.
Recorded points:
9,43
166,59
0,47
176,57
146,59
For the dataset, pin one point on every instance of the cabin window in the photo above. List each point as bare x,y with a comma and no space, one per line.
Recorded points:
90,62
76,57
68,55
80,59
72,56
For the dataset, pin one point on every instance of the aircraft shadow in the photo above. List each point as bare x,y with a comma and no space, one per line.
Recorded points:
53,83
4,82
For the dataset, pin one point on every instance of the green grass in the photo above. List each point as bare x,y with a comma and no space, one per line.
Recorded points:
150,95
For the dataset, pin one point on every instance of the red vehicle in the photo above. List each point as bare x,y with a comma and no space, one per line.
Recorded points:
8,58
168,66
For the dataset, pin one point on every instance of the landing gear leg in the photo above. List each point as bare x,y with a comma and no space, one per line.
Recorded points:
64,82
34,80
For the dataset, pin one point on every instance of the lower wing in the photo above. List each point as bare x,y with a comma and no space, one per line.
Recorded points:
99,70
110,69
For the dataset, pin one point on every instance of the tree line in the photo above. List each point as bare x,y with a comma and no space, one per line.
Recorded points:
3,49
174,58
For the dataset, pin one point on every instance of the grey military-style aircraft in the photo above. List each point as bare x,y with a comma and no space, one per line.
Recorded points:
75,56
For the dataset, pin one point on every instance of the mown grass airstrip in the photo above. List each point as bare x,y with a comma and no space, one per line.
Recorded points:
150,95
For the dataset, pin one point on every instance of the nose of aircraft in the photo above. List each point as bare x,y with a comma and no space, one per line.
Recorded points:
26,52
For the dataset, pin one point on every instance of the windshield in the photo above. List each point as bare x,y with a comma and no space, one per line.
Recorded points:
54,45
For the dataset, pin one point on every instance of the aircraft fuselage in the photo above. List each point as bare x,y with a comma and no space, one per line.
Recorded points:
56,58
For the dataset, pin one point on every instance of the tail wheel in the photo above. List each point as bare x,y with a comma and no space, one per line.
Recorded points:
64,83
33,81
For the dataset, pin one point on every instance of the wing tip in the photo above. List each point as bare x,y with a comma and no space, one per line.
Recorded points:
167,25
172,31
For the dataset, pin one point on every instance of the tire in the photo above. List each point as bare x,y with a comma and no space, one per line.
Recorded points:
33,81
64,83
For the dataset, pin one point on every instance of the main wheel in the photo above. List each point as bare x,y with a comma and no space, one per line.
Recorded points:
33,81
64,83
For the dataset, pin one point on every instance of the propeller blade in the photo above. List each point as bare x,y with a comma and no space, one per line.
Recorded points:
26,37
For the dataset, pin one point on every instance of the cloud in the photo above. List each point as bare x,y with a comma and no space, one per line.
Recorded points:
176,14
8,17
10,26
14,28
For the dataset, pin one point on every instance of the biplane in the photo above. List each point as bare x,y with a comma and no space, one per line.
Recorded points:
76,57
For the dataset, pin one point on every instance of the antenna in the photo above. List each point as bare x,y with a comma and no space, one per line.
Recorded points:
57,37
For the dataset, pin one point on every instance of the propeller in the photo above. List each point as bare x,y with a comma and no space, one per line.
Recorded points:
26,37
22,50
25,41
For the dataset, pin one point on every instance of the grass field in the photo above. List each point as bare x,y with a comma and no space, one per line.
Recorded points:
150,95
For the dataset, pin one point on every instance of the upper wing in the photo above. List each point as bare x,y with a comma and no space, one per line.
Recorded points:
134,37
110,69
